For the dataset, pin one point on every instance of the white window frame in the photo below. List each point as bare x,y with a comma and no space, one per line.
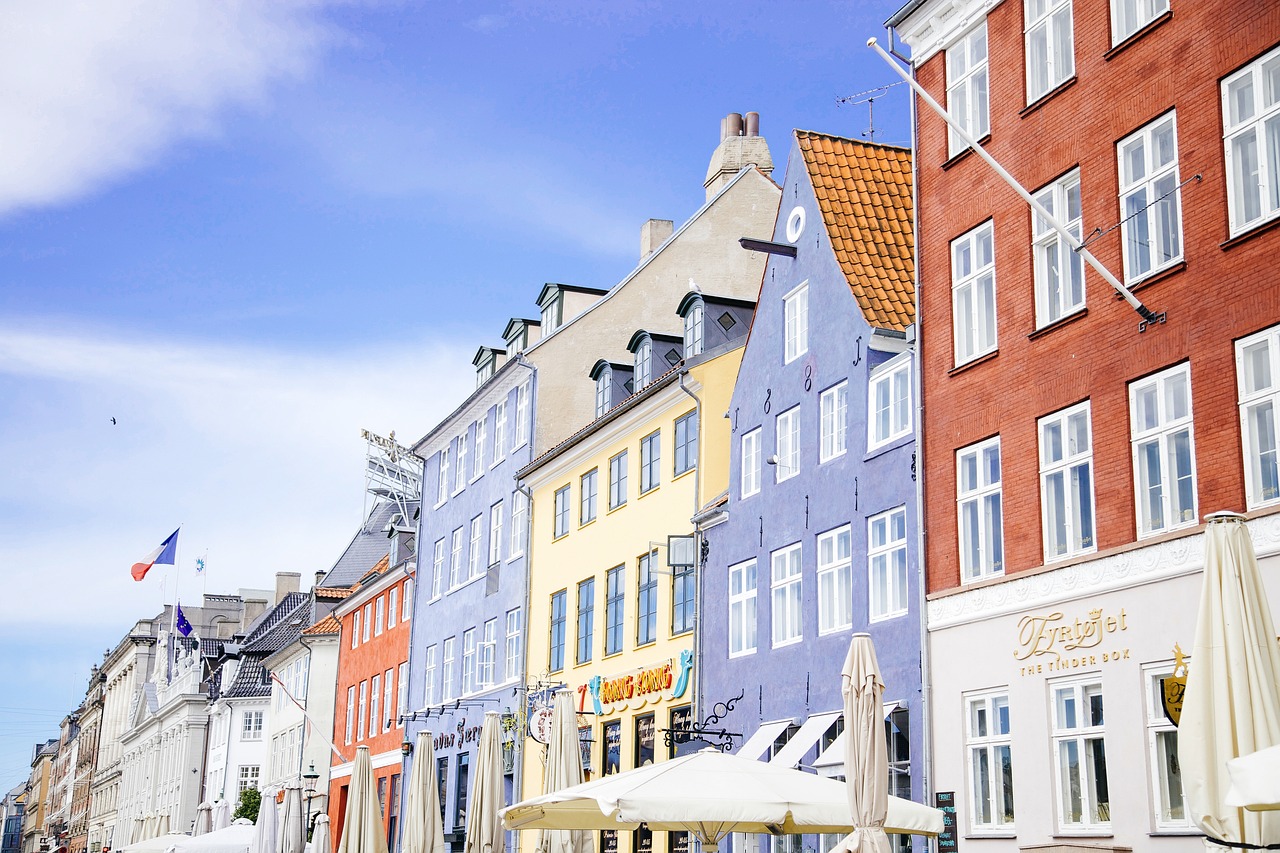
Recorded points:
429,678
406,603
468,661
588,496
512,647
969,86
887,566
788,444
1158,752
795,323
1172,437
519,524
442,484
393,606
1048,27
560,515
834,408
495,534
1140,222
650,462
488,647
743,619
644,364
835,580
618,485
460,467
604,388
1077,527
402,694
375,705
1058,269
1081,689
973,294
476,548
1258,390
477,461
351,711
786,574
368,622
693,329
984,738
388,688
251,725
889,400
448,669
980,497
437,569
355,630
750,472
455,559
379,615
360,711
1246,119
499,431
1129,16
523,421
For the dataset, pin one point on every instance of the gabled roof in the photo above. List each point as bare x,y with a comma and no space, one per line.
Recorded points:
864,195
332,593
327,625
248,681
286,629
367,547
269,620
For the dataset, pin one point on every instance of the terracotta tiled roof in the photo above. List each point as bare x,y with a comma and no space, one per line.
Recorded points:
333,593
864,193
327,625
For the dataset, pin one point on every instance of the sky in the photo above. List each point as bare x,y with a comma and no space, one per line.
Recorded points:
246,230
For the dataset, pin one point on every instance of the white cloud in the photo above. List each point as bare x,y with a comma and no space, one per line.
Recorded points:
256,453
95,90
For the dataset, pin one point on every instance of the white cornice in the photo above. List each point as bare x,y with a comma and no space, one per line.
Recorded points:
1133,568
938,23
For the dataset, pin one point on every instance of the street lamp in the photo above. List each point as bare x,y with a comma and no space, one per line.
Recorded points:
309,778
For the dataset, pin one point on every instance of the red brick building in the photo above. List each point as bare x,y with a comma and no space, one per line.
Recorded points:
1067,458
372,688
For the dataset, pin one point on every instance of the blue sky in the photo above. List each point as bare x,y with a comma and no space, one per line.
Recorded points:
248,230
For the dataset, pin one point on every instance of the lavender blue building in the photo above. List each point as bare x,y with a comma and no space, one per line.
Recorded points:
817,536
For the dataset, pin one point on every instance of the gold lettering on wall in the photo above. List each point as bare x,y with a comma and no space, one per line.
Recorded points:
1052,642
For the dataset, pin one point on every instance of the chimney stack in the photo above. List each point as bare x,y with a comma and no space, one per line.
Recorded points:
652,235
286,582
741,145
319,578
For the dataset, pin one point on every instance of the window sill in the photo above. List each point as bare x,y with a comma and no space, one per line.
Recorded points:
833,457
785,643
677,475
1253,231
1155,277
611,510
511,558
779,480
1136,35
980,836
646,644
1145,536
560,536
1065,320
956,158
1047,97
649,491
891,444
974,362
1188,832
744,654
587,523
1101,832
1074,556
886,617
466,583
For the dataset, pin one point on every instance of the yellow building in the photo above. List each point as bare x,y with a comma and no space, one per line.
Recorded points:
612,571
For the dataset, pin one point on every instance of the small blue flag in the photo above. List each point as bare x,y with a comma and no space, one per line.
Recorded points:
199,565
182,624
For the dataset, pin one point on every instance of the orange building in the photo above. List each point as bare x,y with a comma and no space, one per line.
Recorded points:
372,687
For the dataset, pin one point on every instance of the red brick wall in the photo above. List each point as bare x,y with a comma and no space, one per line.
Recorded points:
1222,294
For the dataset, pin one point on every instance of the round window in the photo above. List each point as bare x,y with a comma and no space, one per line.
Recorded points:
795,224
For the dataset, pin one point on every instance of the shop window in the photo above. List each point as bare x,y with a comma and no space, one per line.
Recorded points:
1162,749
1080,756
461,791
645,731
990,754
612,735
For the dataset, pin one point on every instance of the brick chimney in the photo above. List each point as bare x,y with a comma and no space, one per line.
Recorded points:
286,582
740,145
652,234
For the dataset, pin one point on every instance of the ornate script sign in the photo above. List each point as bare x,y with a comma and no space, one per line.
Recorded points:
1052,642
1174,687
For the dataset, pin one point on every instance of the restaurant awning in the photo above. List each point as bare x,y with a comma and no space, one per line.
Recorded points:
802,741
758,744
831,761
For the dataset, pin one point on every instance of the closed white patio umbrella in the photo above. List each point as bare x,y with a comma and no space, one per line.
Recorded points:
221,815
362,830
321,839
564,770
266,829
423,832
484,826
711,794
866,757
204,819
1232,703
292,839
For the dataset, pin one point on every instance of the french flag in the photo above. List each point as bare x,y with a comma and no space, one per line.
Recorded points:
165,555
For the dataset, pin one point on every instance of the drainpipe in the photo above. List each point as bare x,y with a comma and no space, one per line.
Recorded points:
517,747
926,670
696,686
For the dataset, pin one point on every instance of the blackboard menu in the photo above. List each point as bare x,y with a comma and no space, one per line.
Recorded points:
946,802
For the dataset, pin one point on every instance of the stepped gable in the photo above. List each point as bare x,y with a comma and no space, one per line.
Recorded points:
864,192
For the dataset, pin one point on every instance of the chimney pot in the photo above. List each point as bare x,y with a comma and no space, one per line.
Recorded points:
753,124
734,122
286,582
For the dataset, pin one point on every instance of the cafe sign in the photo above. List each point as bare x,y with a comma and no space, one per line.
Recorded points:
1054,642
637,687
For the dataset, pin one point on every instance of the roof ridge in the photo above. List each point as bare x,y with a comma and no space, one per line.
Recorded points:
868,142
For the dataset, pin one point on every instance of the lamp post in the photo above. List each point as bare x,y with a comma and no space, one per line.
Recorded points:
309,779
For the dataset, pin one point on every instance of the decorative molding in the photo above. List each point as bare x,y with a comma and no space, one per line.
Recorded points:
937,23
1136,567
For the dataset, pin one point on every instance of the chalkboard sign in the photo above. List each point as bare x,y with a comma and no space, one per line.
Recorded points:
946,802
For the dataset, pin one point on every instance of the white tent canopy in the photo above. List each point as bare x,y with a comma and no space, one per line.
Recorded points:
232,839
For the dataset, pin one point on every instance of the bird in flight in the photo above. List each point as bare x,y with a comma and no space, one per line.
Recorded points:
113,421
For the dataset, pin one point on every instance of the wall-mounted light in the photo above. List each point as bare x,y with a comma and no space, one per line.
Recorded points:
406,748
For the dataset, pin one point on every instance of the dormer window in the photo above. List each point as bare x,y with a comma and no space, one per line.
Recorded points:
604,390
553,312
484,372
693,330
644,364
517,342
486,362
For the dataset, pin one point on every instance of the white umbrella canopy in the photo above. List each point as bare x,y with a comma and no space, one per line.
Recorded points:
321,839
155,845
484,826
292,839
712,794
362,828
866,757
1232,702
221,815
564,770
266,829
204,819
150,827
423,831
1255,780
230,839
162,824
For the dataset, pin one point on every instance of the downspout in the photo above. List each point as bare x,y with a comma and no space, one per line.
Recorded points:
697,549
517,747
306,700
926,670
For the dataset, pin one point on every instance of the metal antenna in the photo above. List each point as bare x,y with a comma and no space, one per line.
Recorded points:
869,98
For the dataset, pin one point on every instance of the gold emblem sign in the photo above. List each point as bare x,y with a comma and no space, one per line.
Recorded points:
1174,687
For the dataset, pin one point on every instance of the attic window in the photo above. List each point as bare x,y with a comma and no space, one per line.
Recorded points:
603,381
517,342
644,359
693,330
553,313
484,371
672,357
727,321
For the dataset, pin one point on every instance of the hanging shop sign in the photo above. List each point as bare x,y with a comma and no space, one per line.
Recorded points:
637,687
1053,642
464,735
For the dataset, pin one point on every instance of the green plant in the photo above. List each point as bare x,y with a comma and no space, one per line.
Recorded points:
250,802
